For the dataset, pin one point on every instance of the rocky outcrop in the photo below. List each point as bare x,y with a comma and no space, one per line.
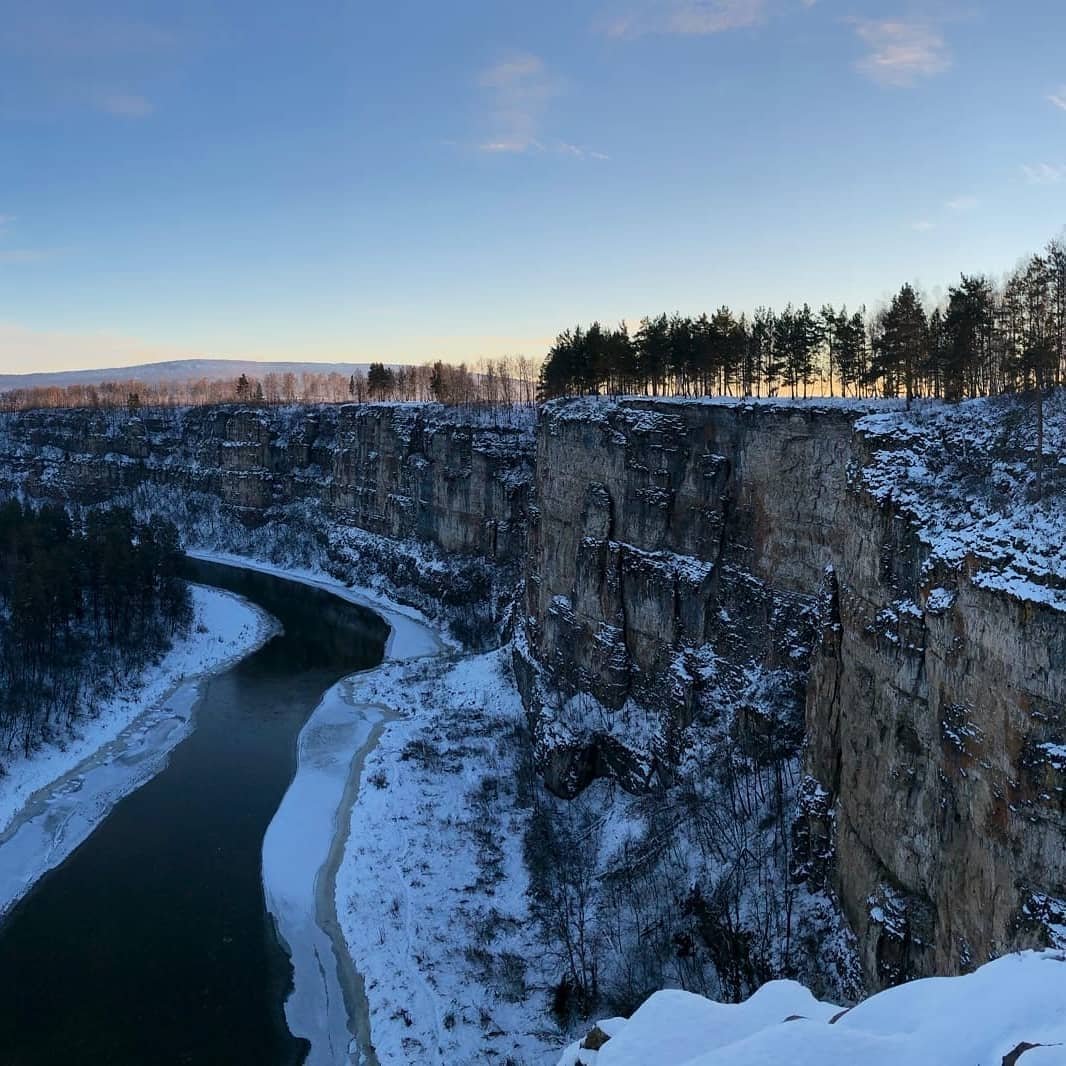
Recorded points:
400,471
936,714
670,539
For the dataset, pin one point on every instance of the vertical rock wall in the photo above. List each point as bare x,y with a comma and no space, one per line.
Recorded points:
418,472
936,715
935,707
671,551
652,518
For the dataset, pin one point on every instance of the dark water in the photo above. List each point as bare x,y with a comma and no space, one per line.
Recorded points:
152,943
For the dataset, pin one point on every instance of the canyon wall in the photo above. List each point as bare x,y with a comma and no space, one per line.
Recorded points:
673,546
432,499
689,564
936,721
668,535
400,471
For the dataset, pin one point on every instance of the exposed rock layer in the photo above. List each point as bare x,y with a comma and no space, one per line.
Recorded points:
400,471
935,708
662,536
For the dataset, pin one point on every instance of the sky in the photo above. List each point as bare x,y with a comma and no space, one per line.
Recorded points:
331,180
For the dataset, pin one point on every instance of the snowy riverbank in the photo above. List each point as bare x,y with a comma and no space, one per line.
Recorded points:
393,867
308,835
53,799
431,892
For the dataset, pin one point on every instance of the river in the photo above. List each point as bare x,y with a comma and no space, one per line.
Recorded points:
151,944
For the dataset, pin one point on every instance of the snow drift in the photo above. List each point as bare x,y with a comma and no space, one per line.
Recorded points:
1009,1011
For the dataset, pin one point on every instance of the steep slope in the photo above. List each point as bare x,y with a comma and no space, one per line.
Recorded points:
430,499
883,585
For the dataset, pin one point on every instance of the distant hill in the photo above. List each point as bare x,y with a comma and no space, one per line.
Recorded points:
173,370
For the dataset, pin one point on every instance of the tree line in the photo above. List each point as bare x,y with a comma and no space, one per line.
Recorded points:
83,608
510,381
985,339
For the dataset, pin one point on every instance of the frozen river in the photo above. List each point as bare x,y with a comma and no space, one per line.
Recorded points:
152,942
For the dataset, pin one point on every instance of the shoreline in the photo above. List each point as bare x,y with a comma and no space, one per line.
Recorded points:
119,752
324,793
353,982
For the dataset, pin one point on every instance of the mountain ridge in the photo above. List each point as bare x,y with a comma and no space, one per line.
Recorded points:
172,370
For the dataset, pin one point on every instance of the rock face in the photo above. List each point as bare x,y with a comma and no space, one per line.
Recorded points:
433,499
672,554
400,471
935,705
649,516
936,714
666,535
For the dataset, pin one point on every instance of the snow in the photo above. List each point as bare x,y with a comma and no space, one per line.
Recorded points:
963,476
940,1021
51,801
374,866
296,852
431,890
646,1039
640,410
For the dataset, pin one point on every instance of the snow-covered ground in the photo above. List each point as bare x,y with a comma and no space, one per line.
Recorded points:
52,800
393,867
431,890
1017,1003
965,476
299,855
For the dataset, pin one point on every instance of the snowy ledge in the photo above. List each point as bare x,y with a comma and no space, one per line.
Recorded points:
985,1017
52,800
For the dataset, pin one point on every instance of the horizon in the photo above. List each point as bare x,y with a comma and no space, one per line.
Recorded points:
401,186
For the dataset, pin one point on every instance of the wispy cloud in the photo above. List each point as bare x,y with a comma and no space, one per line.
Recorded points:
1044,174
577,151
687,17
923,226
963,203
520,89
125,105
66,56
1058,98
901,51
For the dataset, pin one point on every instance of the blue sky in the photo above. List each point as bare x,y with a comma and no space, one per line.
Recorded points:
338,180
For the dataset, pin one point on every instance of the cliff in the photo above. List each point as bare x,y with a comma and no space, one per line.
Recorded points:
892,573
835,632
431,498
936,706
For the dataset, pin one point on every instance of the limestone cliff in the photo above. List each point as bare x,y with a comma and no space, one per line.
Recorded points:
936,708
924,632
433,498
876,594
